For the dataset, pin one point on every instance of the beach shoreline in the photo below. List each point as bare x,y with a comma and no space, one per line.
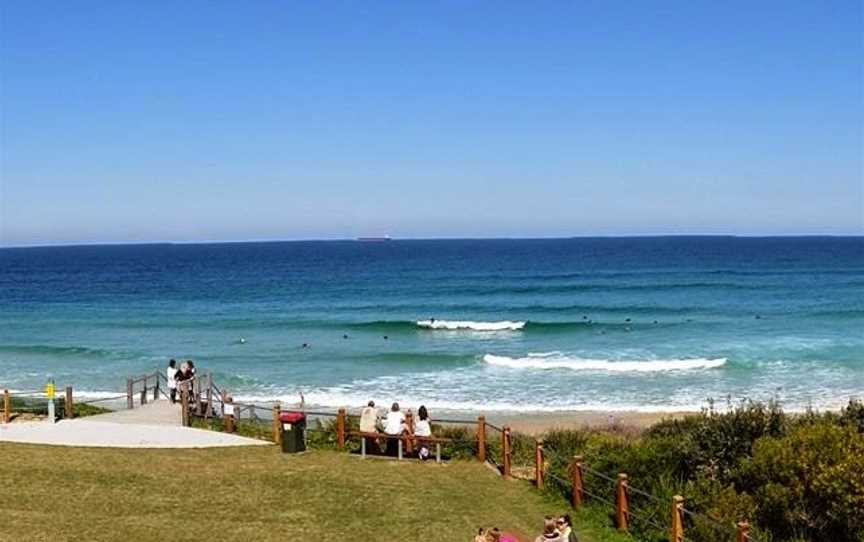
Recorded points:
535,423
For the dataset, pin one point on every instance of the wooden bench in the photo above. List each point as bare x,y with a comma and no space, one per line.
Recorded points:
437,441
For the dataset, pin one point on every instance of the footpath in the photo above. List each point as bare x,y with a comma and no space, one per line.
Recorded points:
154,425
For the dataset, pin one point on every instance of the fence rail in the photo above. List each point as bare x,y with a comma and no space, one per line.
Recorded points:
621,501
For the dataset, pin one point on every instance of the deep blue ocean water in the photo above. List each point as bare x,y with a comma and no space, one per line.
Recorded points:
610,323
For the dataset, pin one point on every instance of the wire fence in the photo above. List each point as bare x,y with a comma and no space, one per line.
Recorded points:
642,510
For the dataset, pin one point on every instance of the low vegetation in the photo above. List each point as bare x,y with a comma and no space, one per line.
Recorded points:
23,406
794,477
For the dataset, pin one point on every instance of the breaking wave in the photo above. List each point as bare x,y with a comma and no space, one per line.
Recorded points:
504,325
556,360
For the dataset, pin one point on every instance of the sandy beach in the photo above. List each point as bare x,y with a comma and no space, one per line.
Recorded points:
536,423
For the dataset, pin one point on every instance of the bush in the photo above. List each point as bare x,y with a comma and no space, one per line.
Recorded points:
809,483
793,477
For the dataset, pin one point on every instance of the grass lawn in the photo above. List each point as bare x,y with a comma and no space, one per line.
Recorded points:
249,494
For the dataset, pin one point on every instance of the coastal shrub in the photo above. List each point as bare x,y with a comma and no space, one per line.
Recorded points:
464,445
853,415
794,477
712,443
809,482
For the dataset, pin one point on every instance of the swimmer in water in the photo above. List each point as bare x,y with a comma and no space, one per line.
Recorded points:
242,340
386,337
627,320
305,345
344,336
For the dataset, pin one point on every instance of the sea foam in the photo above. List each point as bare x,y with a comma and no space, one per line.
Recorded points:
556,360
504,325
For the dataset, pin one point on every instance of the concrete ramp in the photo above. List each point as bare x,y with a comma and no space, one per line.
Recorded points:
85,432
160,412
154,425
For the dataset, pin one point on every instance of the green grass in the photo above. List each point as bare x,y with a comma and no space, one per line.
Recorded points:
97,494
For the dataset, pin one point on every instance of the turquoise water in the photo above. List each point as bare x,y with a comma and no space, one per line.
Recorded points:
623,323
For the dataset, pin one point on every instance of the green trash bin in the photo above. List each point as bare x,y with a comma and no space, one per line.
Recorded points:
293,432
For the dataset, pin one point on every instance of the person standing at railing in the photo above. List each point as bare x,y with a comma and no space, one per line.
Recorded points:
171,374
394,426
184,378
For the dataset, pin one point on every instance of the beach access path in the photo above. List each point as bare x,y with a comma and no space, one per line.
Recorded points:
154,425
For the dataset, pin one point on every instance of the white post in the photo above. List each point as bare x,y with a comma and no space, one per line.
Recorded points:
49,391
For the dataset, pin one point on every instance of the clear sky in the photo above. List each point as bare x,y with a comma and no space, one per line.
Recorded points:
184,121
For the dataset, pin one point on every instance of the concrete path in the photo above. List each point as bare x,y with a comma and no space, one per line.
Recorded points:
154,425
86,432
160,412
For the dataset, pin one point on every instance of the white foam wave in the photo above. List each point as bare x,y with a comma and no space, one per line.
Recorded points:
331,399
505,325
557,361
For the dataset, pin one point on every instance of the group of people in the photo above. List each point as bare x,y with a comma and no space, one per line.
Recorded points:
394,424
555,529
176,377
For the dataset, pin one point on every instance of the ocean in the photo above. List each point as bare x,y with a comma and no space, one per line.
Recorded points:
647,324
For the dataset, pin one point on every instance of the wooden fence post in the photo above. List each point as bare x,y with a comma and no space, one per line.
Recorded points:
156,387
340,429
622,503
505,450
538,463
184,404
277,424
228,423
743,532
209,412
676,534
70,412
481,438
130,402
7,407
196,389
576,474
144,389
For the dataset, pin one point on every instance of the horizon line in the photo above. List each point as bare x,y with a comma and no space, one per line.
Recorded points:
397,239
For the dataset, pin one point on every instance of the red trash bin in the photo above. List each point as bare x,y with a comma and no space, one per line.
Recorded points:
293,432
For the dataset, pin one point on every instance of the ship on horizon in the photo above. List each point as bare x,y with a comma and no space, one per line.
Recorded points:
374,239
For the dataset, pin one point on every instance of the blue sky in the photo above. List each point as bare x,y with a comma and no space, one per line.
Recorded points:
185,121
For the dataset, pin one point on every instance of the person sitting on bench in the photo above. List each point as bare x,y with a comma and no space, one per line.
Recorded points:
394,425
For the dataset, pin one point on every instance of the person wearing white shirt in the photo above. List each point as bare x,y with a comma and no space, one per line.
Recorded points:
394,424
423,428
171,373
